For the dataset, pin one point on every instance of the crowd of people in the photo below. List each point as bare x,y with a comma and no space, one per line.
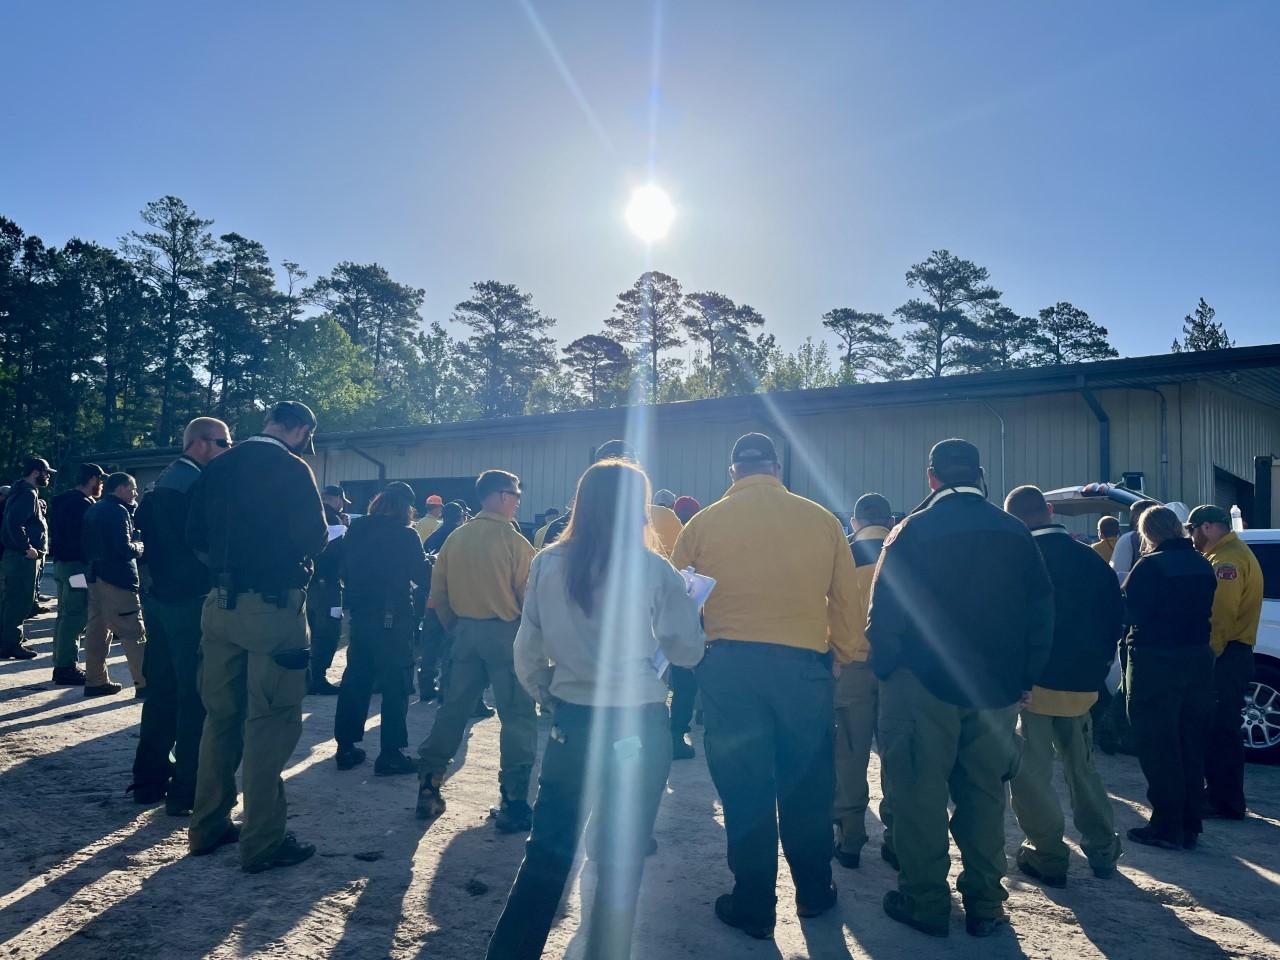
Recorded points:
970,644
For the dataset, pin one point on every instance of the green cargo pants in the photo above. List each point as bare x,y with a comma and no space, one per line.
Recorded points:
1035,803
73,613
929,750
481,655
856,702
19,596
253,708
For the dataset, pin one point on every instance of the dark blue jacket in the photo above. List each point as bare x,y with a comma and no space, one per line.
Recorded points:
1169,596
66,525
109,546
24,525
175,573
961,598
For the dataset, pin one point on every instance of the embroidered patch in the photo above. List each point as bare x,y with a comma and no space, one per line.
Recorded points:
1226,571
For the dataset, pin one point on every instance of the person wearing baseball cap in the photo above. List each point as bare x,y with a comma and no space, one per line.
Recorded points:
1237,611
960,625
382,560
776,618
25,535
609,450
856,695
685,507
430,520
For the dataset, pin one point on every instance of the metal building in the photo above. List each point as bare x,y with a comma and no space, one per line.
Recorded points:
1186,426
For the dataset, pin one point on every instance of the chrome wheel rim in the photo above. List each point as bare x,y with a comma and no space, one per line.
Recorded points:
1260,719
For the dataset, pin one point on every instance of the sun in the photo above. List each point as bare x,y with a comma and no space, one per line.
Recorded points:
650,212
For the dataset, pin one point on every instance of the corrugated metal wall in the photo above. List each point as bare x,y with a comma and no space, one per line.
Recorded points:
1232,431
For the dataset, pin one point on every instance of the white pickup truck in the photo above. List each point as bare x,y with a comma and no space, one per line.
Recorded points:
1260,721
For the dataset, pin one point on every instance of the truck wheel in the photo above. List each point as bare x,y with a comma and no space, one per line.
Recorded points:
1260,719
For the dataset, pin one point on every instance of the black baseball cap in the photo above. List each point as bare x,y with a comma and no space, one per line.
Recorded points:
292,414
872,506
955,459
1208,513
400,491
615,450
32,464
754,448
334,490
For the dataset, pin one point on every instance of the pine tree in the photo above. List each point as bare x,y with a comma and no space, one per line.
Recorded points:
1067,335
599,366
941,321
997,339
1200,331
868,348
648,317
509,347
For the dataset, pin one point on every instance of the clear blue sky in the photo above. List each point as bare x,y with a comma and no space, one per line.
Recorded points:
1121,156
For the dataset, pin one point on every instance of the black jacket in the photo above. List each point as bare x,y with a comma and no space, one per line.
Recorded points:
66,525
962,599
1088,612
256,516
109,546
1169,598
437,539
175,573
381,558
24,525
326,585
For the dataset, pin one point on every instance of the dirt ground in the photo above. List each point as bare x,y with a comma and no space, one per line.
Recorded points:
86,874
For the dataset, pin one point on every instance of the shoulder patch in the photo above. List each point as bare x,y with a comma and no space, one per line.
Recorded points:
1226,571
893,534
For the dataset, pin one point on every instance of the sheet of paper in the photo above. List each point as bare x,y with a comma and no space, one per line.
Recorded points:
78,581
335,612
697,586
336,531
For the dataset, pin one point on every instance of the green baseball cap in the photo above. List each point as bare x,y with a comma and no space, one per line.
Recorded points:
1208,513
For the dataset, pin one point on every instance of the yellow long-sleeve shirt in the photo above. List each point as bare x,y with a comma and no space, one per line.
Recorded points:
1237,601
667,526
426,526
1105,548
782,566
481,571
864,573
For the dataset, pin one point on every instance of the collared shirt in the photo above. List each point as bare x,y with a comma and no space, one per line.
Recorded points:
481,571
1237,600
426,526
782,568
539,538
865,545
1105,548
667,526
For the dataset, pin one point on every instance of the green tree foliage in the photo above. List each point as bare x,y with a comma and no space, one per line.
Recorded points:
997,338
724,330
940,318
808,368
649,317
1200,331
509,346
599,366
379,315
1067,335
868,350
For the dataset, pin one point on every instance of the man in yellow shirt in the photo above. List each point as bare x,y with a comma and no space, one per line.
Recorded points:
1108,534
430,521
785,603
856,696
1237,610
477,590
540,537
665,522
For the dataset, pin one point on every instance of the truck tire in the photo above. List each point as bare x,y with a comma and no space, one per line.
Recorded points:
1260,718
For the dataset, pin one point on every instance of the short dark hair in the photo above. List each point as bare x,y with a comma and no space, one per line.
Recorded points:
873,508
493,481
118,480
1027,503
1109,526
453,511
551,513
87,472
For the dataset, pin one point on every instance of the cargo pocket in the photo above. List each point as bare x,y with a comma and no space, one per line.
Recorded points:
897,753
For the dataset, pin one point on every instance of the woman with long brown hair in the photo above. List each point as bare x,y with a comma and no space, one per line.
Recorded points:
603,612
1169,680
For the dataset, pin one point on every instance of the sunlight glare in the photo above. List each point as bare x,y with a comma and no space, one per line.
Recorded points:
650,212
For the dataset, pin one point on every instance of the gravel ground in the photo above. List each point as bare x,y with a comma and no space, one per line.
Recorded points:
87,874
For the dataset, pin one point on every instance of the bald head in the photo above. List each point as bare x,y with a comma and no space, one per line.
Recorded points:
1027,503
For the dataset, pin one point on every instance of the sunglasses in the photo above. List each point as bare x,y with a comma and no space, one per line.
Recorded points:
511,493
222,442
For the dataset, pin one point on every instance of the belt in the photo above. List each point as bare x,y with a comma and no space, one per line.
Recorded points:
772,649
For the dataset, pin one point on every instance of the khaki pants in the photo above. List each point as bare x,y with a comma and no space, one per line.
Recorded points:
1035,803
482,655
932,750
113,610
856,700
253,712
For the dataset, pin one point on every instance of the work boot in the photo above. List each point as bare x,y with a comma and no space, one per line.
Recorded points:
985,926
430,802
512,816
177,807
1149,838
231,834
323,688
20,652
391,763
139,693
681,748
849,859
107,689
807,911
1028,868
896,907
482,711
349,756
68,676
727,912
288,854
146,794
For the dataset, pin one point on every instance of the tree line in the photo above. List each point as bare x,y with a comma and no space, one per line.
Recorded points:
107,348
